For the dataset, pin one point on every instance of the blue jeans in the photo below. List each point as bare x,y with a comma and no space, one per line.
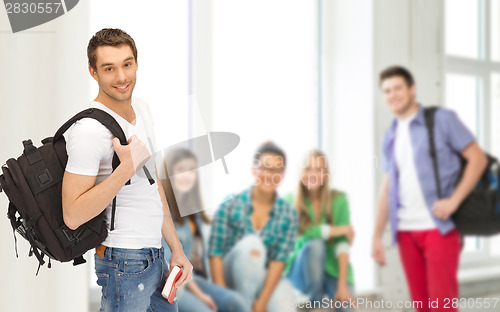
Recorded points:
308,273
132,280
245,272
225,299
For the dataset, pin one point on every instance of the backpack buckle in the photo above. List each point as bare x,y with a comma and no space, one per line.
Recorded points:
44,177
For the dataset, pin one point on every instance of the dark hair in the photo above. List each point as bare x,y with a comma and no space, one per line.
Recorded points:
397,71
270,148
109,37
191,201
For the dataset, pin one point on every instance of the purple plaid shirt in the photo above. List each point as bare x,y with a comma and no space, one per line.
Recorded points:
451,137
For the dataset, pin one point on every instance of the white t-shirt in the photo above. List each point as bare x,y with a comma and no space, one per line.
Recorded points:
413,213
139,214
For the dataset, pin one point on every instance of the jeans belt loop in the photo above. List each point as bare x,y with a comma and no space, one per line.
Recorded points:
109,250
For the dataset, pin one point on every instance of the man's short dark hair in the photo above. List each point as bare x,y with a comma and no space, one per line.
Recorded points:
108,37
397,71
269,147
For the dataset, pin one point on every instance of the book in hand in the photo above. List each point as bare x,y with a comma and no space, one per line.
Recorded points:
169,289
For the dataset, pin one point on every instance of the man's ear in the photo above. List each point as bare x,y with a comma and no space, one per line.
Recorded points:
93,73
413,90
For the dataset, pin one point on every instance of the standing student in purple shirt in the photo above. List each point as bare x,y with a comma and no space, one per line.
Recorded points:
429,243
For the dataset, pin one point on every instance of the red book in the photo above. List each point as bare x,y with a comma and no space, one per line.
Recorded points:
169,289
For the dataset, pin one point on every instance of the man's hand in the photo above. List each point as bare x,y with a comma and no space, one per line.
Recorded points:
343,294
444,208
133,156
259,306
82,200
180,259
378,252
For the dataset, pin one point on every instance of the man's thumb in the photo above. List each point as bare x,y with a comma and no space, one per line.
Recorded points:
116,143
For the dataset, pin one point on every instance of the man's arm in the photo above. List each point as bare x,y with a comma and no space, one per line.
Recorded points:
82,200
476,164
383,215
170,236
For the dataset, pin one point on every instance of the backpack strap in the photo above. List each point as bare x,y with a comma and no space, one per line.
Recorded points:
104,118
113,211
109,122
14,195
11,214
78,260
429,113
148,175
98,114
34,250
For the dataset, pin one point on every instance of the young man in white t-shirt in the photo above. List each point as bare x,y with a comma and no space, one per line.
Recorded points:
130,265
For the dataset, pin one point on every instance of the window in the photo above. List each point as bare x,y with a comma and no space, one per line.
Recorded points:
462,28
472,73
264,83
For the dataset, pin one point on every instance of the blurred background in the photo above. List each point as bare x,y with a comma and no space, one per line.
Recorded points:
303,73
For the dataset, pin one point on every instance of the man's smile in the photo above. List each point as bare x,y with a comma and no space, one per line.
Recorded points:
122,88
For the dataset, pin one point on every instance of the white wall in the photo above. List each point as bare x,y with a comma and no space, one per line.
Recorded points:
349,122
44,81
407,33
264,85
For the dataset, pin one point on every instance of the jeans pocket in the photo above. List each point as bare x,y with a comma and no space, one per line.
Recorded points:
103,281
163,268
135,267
104,264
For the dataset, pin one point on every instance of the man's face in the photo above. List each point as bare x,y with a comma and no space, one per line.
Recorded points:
397,94
116,71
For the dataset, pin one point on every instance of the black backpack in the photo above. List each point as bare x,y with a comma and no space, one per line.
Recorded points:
33,185
479,213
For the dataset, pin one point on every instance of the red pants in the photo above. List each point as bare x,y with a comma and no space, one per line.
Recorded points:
430,261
